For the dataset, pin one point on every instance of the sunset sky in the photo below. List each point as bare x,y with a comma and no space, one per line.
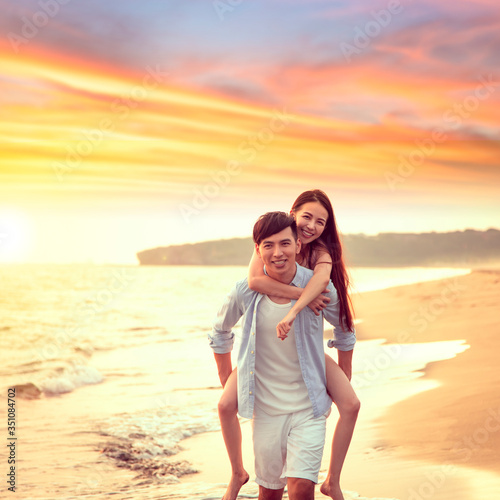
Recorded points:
133,124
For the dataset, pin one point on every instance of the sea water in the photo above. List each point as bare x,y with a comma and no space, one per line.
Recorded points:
119,357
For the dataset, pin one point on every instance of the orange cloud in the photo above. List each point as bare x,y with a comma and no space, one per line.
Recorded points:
74,126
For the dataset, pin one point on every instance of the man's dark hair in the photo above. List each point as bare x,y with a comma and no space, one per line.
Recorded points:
272,223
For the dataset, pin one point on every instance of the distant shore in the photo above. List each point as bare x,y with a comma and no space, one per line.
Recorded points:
465,249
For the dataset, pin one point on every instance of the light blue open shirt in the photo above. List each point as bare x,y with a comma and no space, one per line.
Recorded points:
242,301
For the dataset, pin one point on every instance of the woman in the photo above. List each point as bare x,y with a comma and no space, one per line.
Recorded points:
321,251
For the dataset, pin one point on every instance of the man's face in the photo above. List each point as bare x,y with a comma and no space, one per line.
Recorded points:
278,254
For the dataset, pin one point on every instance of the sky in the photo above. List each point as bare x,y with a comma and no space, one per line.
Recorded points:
135,124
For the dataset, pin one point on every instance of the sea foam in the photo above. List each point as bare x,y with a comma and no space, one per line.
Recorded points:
70,379
145,441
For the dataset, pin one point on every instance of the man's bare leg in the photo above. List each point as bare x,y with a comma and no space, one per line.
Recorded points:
347,402
300,489
267,494
231,432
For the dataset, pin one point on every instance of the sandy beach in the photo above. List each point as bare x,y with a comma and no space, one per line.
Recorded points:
442,443
459,421
425,371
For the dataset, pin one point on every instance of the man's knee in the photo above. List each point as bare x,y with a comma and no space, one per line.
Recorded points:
300,489
267,494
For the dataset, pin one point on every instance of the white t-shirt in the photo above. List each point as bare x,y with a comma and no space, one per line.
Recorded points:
279,385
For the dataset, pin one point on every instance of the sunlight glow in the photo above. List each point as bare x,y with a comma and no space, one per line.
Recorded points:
15,236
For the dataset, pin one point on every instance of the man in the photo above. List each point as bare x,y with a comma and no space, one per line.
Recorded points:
281,384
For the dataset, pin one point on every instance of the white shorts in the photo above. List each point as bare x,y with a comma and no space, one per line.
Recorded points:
289,445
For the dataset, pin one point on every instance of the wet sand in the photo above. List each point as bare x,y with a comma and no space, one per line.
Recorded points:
442,443
459,421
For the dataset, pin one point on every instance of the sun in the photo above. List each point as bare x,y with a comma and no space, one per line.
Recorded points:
14,236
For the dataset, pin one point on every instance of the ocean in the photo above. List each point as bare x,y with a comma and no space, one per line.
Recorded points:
113,372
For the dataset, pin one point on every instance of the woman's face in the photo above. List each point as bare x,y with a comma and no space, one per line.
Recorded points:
311,221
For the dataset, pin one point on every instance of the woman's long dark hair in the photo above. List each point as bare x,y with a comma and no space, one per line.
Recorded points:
331,240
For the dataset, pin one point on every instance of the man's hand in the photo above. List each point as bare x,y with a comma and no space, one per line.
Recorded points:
319,303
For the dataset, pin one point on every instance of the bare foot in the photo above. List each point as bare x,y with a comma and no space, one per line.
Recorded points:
234,486
331,489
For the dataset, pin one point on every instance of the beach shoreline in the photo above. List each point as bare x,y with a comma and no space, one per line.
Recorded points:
460,419
441,443
427,427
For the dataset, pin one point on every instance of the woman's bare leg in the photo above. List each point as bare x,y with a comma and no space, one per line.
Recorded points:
231,432
347,402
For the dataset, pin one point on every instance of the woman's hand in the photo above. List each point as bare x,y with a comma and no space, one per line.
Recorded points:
319,303
285,325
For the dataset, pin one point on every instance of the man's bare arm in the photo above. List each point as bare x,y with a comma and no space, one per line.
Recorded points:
224,366
345,362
